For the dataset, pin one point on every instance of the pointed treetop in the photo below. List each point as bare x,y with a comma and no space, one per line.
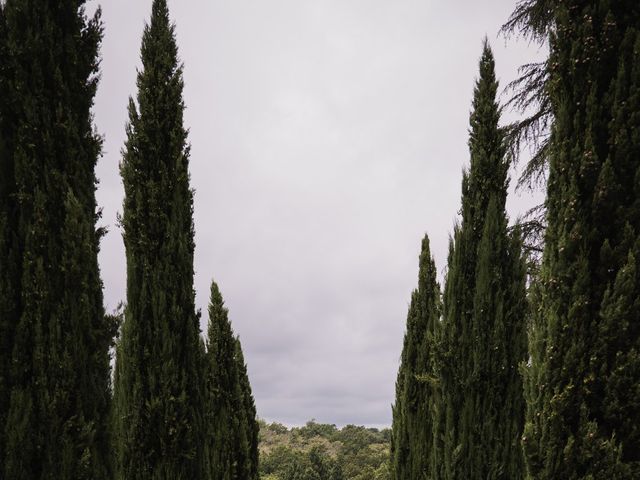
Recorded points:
427,265
159,47
160,15
486,110
216,304
487,64
216,296
160,8
489,165
219,331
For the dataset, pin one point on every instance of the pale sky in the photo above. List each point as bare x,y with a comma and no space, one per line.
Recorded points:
327,137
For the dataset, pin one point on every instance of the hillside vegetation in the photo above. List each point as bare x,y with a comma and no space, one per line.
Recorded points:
323,452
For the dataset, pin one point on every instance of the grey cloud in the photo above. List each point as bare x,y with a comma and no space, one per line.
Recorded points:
327,137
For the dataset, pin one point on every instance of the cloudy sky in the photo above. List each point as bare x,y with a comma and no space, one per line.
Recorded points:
328,136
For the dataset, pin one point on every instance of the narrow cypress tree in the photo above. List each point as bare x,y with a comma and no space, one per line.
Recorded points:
232,435
247,459
583,381
484,310
413,440
158,383
55,387
222,393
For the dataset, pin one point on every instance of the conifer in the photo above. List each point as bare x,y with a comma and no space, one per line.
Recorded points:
159,386
248,459
55,337
232,435
223,393
583,379
483,339
413,441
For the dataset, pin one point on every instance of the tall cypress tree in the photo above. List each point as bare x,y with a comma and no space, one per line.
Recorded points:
484,336
414,433
583,381
158,383
232,435
55,336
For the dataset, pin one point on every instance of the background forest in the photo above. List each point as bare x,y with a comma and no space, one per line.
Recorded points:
319,451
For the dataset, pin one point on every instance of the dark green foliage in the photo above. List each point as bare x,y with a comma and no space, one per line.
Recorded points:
413,442
583,381
159,386
8,275
247,458
223,434
232,429
54,365
483,338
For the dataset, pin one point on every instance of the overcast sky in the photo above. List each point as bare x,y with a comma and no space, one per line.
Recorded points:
327,137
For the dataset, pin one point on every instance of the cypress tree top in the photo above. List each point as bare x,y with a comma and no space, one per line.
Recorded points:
487,175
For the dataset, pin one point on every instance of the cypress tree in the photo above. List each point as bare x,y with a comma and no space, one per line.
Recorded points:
158,397
55,337
413,439
232,435
222,393
583,379
247,459
484,336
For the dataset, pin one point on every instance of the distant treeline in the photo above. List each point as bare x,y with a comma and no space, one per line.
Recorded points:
320,451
